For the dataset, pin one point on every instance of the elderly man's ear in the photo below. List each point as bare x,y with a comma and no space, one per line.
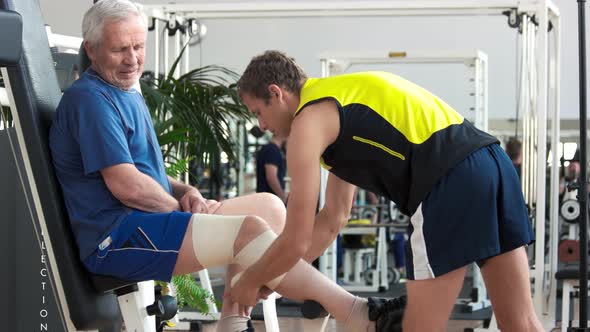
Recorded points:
89,50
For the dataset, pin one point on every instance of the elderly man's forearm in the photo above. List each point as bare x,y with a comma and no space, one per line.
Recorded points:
147,195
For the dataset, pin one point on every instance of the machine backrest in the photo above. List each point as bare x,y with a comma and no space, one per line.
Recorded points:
36,94
11,25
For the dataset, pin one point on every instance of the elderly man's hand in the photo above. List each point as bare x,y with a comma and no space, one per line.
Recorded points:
212,205
192,201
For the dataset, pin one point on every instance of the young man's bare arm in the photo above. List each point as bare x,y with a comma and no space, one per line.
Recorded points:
138,190
332,217
311,133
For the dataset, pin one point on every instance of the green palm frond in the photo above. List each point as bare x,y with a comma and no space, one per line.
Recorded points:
190,294
202,101
192,116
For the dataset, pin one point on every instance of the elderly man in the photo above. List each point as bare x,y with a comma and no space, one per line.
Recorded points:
129,218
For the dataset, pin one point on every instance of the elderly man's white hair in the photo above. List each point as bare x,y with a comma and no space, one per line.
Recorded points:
107,10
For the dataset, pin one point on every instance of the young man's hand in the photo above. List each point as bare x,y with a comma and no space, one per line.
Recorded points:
245,293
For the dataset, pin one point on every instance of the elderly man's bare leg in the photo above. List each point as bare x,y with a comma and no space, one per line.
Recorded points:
268,207
302,282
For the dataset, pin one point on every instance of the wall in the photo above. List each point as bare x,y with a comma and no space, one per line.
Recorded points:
232,42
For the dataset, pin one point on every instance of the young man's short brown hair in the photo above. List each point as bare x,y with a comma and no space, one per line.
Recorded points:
271,67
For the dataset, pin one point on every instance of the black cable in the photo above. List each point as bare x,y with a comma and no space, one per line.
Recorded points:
583,187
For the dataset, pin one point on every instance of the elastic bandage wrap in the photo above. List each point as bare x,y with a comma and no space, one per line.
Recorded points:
213,243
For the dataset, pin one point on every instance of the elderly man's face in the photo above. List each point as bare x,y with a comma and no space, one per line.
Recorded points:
118,57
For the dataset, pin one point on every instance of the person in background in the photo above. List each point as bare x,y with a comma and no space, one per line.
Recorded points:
574,166
270,168
514,152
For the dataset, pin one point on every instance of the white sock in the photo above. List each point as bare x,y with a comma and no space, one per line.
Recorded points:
232,324
358,318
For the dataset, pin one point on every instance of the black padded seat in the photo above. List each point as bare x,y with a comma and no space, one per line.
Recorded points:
90,302
105,284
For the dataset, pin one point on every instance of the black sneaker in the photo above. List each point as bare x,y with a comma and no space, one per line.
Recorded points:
249,326
387,313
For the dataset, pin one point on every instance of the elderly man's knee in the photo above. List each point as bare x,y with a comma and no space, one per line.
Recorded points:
275,211
254,224
251,228
254,239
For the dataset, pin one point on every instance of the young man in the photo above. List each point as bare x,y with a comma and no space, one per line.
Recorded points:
384,134
132,221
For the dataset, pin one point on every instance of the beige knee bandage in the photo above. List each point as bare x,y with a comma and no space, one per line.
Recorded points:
252,252
214,237
213,243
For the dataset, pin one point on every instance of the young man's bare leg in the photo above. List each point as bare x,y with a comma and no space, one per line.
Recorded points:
507,282
430,302
303,282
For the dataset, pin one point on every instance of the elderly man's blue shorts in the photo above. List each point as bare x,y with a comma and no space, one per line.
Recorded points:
143,247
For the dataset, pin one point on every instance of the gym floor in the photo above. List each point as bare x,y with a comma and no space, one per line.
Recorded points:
292,324
290,319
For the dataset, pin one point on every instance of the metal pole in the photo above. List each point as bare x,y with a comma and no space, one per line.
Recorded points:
554,187
583,189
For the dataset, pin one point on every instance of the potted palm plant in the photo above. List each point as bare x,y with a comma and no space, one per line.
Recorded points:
192,116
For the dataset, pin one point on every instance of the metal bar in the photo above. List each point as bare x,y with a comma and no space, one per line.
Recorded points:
206,284
351,8
540,131
534,111
583,190
157,48
186,54
166,51
455,56
328,258
4,97
523,105
554,187
478,116
177,48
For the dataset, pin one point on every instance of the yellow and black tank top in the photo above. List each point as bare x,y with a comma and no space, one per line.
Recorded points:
396,139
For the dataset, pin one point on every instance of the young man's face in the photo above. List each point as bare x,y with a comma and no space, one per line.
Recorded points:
118,57
272,116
